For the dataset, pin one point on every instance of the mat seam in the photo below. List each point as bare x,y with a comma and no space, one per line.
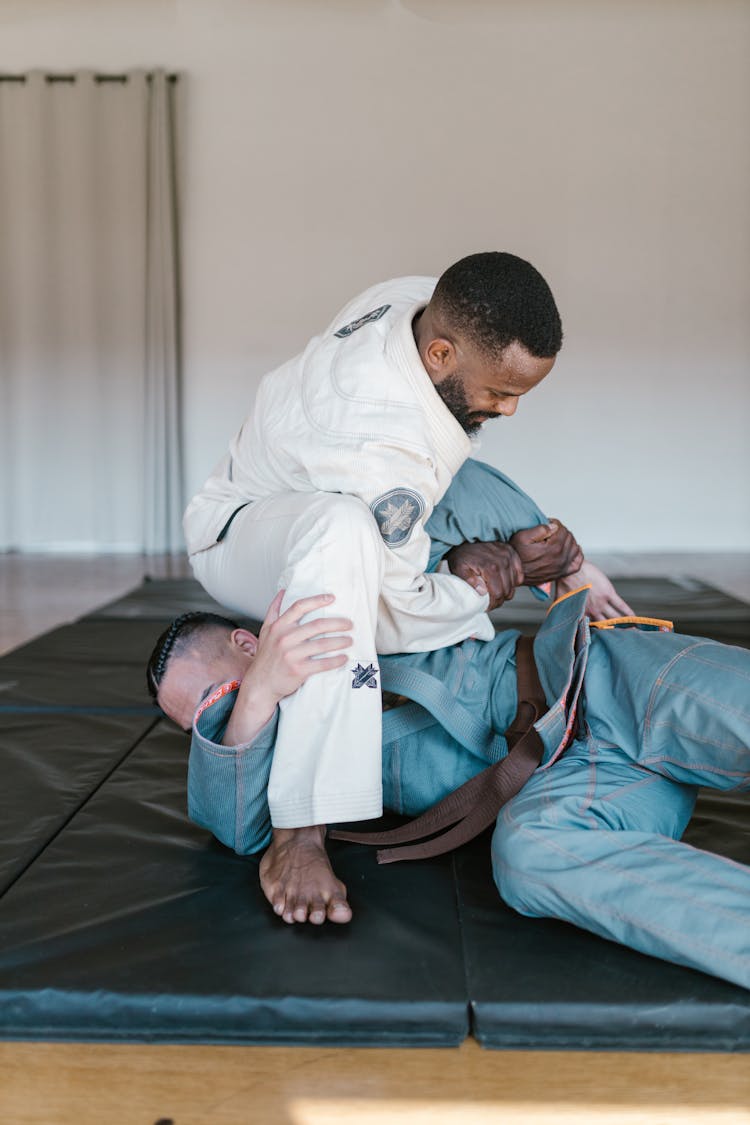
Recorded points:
78,808
464,967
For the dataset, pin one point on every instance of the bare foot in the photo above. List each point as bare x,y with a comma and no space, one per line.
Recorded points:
298,880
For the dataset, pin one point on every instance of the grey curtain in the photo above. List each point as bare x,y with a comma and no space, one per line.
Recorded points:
89,315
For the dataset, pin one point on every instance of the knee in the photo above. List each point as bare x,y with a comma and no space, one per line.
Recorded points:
349,522
342,530
518,865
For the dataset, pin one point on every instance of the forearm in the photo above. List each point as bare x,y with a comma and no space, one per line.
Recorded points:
227,785
255,706
420,612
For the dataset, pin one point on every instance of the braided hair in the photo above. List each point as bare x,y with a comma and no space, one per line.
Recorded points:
176,639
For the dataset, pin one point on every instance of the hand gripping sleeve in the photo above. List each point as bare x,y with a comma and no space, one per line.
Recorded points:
481,505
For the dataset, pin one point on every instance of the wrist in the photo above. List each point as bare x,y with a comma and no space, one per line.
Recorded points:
572,581
257,700
566,578
253,709
314,834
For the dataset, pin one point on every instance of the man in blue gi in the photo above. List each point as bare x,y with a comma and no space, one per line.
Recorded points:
636,719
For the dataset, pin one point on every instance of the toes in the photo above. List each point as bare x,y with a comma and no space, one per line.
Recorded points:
339,910
292,909
276,897
301,887
285,906
317,913
299,912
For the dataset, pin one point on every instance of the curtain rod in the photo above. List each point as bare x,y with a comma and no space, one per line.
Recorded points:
72,77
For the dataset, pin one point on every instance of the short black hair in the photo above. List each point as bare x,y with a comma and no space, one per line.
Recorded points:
495,299
176,639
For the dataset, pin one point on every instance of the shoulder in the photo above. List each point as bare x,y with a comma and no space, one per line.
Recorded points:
351,387
384,301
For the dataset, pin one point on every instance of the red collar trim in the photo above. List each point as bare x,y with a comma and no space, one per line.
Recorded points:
224,689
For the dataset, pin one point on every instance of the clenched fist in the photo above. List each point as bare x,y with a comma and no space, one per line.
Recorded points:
491,568
546,552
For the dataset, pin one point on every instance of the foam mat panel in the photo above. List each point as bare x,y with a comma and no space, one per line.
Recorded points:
135,924
93,663
122,921
537,983
50,766
695,608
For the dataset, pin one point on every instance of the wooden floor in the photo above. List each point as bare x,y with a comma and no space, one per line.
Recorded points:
39,592
85,1084
51,1084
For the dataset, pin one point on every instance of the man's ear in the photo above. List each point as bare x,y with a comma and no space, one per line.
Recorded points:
245,640
440,358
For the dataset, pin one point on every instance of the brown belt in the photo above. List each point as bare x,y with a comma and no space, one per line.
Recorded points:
474,806
391,700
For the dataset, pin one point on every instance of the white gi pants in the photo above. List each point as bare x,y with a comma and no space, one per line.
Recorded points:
327,759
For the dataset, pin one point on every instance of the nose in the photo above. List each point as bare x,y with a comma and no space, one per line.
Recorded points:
507,406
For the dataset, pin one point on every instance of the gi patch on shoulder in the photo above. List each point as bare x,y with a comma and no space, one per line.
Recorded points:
364,676
396,513
366,319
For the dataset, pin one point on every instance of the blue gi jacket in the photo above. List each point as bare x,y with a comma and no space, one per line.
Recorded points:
464,697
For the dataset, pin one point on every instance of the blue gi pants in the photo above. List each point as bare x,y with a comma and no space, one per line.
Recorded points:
594,838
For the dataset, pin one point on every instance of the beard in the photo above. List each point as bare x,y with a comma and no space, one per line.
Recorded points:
451,391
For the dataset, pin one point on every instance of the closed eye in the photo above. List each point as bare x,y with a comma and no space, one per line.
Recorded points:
206,693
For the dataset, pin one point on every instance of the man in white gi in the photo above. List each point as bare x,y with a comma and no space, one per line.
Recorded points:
327,487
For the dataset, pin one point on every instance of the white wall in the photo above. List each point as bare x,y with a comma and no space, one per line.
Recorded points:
329,144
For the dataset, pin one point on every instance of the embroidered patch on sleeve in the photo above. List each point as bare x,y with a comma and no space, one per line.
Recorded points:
396,513
366,319
364,676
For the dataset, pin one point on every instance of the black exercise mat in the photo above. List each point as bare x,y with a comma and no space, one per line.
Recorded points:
695,608
721,823
135,925
158,598
50,766
132,924
542,984
89,665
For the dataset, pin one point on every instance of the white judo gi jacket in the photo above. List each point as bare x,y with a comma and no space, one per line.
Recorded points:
357,413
